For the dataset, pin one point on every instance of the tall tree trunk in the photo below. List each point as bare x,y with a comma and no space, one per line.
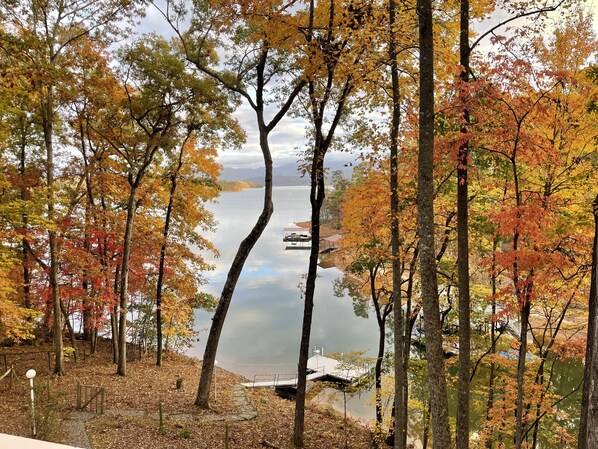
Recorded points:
382,313
316,197
410,318
522,293
400,417
520,424
124,282
24,223
161,272
87,314
47,108
378,379
173,186
426,431
588,426
207,369
69,326
314,194
322,143
425,202
114,319
209,357
462,432
492,375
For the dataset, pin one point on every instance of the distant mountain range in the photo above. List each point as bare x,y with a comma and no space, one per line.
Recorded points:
284,175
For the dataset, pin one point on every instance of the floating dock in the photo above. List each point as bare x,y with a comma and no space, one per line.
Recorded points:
319,368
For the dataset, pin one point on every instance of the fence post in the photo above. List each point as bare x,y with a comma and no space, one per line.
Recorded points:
49,363
102,402
78,395
5,364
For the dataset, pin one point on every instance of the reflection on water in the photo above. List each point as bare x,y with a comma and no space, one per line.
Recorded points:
262,331
263,327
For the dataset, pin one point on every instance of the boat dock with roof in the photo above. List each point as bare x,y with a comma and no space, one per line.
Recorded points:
296,238
299,237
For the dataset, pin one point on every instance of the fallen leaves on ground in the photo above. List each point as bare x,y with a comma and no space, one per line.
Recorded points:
147,385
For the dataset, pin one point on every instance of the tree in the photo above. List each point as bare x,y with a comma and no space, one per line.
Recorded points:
542,158
194,171
331,208
588,431
93,91
159,95
462,432
366,233
44,31
465,50
588,435
425,201
336,58
400,367
263,39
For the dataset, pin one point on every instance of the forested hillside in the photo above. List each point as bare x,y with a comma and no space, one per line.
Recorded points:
468,218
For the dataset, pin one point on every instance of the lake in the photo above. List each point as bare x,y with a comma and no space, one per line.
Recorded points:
262,330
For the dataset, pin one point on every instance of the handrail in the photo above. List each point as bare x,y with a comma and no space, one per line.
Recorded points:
277,378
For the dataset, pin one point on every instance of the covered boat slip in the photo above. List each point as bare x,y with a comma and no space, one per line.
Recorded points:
299,237
296,238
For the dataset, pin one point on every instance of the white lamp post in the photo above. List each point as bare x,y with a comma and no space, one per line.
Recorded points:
215,389
30,375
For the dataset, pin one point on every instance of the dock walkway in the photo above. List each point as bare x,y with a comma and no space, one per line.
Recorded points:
319,367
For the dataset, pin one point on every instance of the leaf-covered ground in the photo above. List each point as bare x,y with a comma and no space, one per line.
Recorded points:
144,388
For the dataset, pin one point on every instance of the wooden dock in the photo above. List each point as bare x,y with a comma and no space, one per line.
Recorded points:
319,368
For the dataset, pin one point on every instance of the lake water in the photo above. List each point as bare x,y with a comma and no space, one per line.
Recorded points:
263,327
262,330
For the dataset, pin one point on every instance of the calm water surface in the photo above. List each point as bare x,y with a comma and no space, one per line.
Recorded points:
262,330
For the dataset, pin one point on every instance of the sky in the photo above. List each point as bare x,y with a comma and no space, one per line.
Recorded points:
288,138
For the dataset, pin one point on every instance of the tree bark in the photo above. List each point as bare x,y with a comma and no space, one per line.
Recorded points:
520,424
492,375
316,200
47,109
203,392
400,417
209,357
173,186
462,437
522,293
124,282
425,201
24,223
588,426
114,319
160,282
382,312
317,193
